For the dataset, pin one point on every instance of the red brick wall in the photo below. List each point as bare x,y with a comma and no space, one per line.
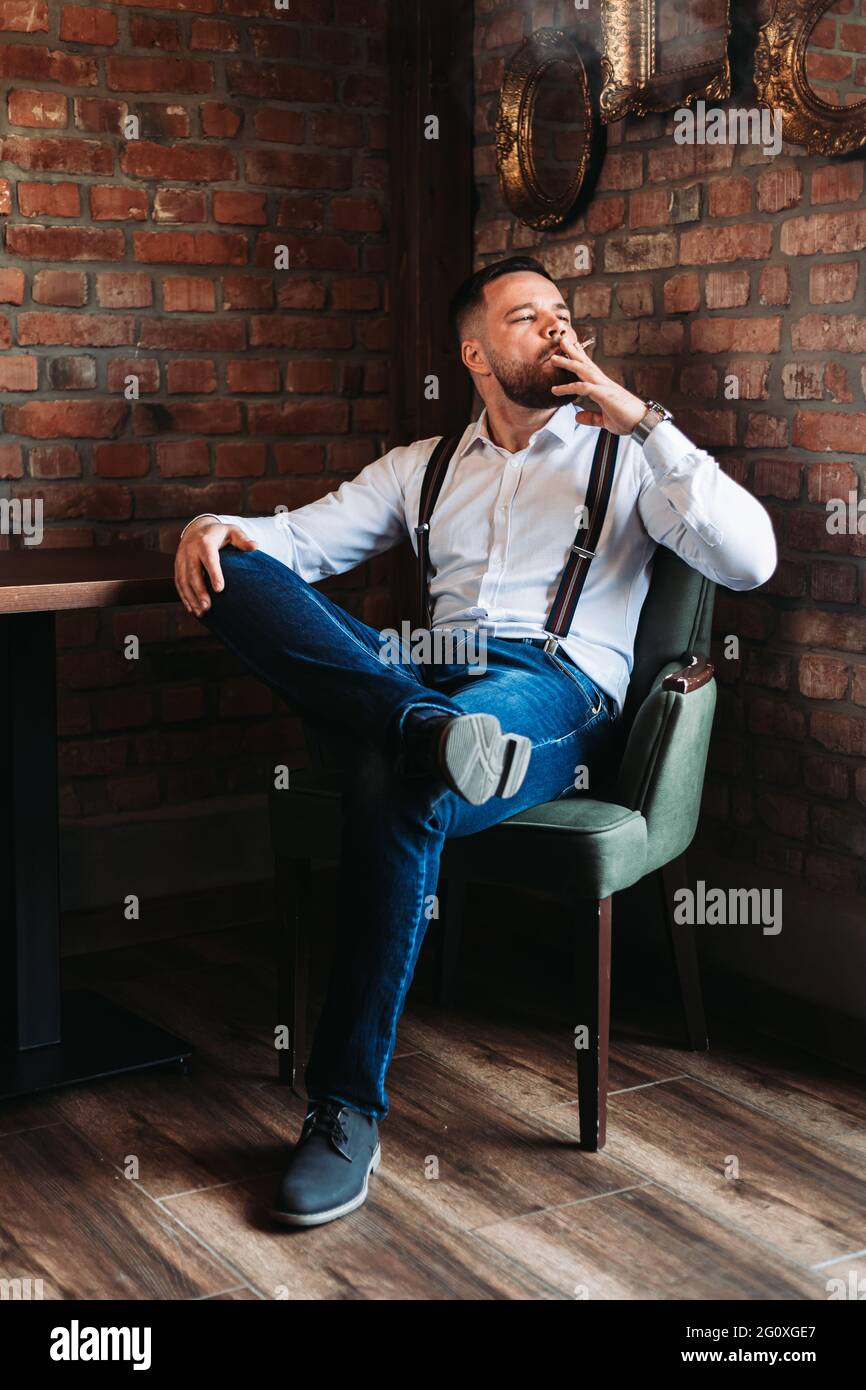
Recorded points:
705,261
155,257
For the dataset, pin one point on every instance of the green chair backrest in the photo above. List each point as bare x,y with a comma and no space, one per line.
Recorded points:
676,619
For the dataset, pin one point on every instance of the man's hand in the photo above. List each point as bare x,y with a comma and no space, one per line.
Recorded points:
198,551
620,409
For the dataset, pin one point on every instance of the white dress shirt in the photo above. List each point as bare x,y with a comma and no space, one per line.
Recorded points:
501,530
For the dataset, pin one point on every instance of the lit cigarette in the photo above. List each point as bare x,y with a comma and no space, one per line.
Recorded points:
589,342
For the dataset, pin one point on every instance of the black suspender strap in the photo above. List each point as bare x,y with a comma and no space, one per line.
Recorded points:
431,484
561,614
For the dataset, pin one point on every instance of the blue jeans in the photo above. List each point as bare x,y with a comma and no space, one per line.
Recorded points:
327,667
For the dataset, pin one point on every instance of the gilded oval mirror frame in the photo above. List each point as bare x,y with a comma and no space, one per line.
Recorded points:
781,83
522,186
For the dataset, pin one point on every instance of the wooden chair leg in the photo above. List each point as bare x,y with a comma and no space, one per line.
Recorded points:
452,903
293,883
681,936
592,980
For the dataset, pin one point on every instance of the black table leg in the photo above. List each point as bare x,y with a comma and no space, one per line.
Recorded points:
46,1038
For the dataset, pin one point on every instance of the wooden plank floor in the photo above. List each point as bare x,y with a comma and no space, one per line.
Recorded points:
731,1174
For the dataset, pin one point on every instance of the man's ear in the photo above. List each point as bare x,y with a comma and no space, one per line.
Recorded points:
473,357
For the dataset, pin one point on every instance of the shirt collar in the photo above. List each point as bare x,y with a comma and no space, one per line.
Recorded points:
562,424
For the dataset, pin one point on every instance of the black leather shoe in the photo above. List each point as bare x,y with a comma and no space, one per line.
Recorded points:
330,1165
470,751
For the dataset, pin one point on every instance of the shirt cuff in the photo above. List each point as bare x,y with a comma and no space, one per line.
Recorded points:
198,518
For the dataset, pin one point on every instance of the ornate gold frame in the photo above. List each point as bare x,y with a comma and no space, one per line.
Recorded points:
518,179
631,84
780,82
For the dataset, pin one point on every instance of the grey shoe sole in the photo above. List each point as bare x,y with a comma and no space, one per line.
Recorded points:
479,761
318,1218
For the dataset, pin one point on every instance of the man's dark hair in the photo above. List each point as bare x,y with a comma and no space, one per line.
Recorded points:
469,296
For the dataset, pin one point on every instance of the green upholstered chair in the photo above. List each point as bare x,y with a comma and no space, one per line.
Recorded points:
582,849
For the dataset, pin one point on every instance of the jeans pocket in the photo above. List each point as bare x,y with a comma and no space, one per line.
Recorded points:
596,700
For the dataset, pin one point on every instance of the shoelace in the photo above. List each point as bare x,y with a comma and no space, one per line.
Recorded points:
324,1118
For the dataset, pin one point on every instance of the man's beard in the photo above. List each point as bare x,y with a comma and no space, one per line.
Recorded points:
528,384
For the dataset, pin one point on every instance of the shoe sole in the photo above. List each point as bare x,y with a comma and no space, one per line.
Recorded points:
479,761
318,1218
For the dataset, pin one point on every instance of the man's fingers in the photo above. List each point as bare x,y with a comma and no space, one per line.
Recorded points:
588,417
241,540
211,562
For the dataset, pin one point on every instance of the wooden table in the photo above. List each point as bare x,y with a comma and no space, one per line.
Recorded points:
48,1037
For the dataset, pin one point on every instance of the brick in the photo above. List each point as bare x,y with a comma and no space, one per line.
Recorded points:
824,233
240,460
188,294
743,335
239,207
67,156
215,35
822,677
114,203
83,24
803,381
834,282
162,74
190,248
829,333
49,200
310,294
55,461
181,163
286,169
765,431
12,285
826,480
18,373
358,294
72,373
180,205
588,300
299,417
182,458
309,378
726,289
837,183
300,332
45,109
64,243
682,294
730,197
650,251
733,242
621,169
24,16
99,114
356,215
605,215
11,464
774,285
194,335
65,419
5,197
75,330
44,64
286,82
830,431
777,478
190,376
254,292
253,375
147,31
778,189
219,121
190,417
121,460
124,289
144,369
67,288
163,120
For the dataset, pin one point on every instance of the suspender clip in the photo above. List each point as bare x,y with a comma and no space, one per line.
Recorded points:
425,526
551,644
581,550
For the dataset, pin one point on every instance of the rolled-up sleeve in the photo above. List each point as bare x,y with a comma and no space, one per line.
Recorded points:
363,517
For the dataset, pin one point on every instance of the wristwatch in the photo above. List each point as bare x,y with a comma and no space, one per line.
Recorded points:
654,416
